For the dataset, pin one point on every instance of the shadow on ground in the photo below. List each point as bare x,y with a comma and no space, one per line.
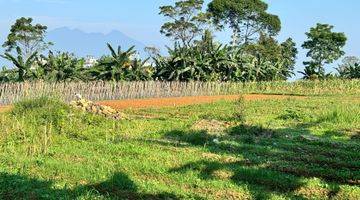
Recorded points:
272,160
120,186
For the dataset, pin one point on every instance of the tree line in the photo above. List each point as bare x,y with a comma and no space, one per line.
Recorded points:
253,54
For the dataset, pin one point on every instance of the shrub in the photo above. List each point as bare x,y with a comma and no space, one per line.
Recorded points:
34,124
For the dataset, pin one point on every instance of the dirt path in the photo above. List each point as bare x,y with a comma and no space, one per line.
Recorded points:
4,108
179,101
176,101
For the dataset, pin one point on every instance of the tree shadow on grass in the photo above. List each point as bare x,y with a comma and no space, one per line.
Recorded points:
20,187
274,160
120,186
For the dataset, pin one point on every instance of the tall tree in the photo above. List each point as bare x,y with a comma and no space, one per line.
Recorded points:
280,58
325,47
152,51
247,18
289,54
187,21
28,37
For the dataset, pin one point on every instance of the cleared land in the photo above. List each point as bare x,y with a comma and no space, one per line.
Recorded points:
176,101
290,148
181,101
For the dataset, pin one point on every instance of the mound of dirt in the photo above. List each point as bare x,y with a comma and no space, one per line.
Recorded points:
91,107
211,126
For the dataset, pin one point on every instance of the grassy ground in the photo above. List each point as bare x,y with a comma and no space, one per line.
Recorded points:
269,149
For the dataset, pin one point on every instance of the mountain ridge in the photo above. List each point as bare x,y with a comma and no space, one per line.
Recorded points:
83,43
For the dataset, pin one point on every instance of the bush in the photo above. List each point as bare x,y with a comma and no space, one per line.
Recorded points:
34,124
43,111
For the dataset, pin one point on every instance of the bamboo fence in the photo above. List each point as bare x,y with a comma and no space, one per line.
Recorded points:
13,92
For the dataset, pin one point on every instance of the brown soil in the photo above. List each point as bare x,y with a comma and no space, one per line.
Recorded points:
180,101
177,101
4,108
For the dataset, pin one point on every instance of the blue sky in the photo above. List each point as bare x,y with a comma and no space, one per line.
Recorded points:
140,20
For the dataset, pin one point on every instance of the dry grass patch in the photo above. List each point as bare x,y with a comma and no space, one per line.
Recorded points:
211,126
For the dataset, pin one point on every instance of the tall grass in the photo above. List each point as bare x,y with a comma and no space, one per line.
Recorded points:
13,92
35,123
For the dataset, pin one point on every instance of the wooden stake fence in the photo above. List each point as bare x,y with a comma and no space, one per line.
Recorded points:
13,92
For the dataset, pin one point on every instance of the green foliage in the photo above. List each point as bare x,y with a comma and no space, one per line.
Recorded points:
7,75
349,115
256,57
26,36
350,68
44,110
265,157
121,65
276,60
207,60
325,46
292,114
39,121
25,67
247,18
62,66
186,21
289,54
183,64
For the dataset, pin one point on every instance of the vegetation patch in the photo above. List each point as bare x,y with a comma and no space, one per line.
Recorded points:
211,126
49,149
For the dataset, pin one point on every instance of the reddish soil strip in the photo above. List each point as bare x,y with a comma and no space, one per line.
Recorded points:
180,101
177,101
4,108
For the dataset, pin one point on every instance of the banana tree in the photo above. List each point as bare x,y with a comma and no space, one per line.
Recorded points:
62,67
113,67
7,75
350,68
171,68
25,68
139,71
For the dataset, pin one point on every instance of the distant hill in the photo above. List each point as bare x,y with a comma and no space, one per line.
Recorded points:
83,44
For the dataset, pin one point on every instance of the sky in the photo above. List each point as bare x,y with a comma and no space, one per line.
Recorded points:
139,19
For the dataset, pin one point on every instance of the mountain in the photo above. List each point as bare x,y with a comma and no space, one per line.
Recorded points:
94,44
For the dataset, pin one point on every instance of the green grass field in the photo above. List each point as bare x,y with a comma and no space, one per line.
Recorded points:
270,149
